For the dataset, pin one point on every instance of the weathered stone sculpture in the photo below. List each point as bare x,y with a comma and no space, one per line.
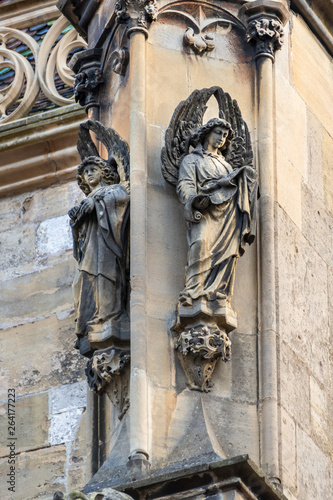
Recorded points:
218,186
100,232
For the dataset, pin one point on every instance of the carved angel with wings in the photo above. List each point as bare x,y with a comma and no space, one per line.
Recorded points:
100,233
211,167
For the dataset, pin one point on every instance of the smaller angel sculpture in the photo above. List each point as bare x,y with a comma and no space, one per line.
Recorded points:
100,233
211,167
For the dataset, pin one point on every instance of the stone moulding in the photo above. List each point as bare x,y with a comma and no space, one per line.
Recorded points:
40,150
20,14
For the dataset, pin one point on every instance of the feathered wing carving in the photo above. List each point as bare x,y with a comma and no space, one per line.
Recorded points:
188,118
117,148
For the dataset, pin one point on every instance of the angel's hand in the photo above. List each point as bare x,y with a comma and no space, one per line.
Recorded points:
73,212
201,202
87,206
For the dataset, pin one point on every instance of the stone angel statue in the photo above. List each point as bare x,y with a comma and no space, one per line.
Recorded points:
100,233
211,167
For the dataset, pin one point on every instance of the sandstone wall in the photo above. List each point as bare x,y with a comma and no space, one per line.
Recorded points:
37,355
304,222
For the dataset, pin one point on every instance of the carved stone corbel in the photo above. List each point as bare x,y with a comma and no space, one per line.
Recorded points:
108,372
199,348
87,68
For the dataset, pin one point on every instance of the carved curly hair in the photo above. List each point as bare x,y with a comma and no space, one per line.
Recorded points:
108,172
203,131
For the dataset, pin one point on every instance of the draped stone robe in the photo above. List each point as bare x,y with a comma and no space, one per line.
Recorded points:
100,247
216,235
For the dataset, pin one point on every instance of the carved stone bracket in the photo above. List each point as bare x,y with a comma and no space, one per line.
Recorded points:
88,77
108,372
265,20
199,348
85,87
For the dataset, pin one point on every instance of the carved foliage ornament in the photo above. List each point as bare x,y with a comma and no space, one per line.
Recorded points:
201,42
144,11
267,33
85,86
199,349
108,371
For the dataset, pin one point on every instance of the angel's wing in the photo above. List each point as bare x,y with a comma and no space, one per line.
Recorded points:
187,119
240,152
85,144
117,148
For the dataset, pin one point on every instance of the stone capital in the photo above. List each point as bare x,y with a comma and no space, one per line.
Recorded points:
265,20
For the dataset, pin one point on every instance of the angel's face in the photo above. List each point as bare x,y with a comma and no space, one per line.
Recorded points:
92,175
216,138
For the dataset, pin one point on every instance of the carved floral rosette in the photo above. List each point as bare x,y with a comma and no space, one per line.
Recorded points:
199,348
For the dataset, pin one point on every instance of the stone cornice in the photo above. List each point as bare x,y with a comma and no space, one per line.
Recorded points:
39,150
21,14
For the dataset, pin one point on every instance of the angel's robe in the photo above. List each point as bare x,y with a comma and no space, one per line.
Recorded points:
216,235
100,247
